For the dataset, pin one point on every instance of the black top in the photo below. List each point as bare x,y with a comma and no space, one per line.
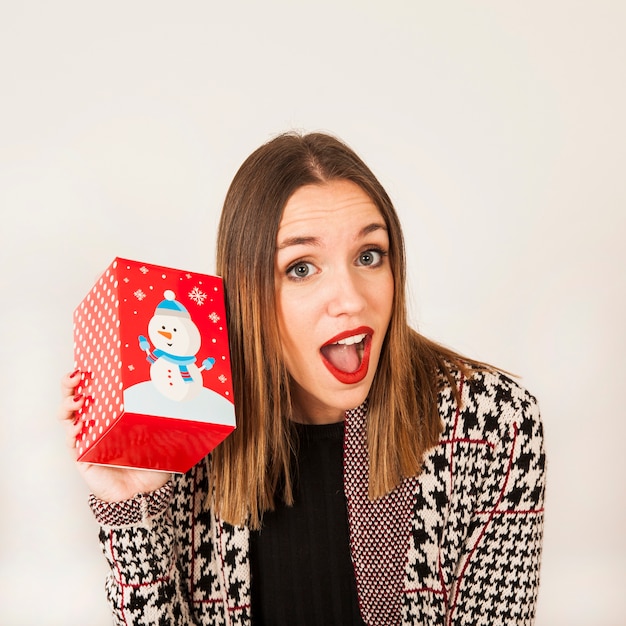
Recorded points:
300,559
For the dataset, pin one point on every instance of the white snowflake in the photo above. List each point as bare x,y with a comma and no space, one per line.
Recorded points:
197,296
131,367
222,378
214,317
188,275
127,280
140,295
143,269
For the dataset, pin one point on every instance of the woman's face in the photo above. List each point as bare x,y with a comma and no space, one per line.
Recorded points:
334,295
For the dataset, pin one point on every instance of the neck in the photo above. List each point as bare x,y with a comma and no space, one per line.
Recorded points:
312,413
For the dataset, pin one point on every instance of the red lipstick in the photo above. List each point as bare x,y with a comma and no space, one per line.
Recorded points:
351,378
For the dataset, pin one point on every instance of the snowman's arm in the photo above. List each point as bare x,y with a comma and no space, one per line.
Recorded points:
144,344
207,364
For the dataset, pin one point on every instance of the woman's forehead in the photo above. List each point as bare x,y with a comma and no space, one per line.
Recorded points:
325,207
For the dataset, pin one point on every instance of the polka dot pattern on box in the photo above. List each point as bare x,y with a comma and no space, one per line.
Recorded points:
152,348
97,351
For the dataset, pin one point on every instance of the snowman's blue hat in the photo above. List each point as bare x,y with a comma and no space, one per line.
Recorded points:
171,306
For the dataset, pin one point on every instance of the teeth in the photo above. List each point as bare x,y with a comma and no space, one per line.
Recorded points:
348,341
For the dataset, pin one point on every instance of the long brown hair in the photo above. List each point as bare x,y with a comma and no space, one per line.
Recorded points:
252,466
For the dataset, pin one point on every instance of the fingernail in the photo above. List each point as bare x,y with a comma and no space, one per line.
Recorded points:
74,373
77,397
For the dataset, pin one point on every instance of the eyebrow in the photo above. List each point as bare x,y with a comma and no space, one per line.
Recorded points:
314,241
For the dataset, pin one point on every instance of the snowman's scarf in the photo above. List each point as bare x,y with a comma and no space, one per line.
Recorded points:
180,361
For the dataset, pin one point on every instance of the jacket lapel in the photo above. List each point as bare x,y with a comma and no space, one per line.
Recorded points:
379,530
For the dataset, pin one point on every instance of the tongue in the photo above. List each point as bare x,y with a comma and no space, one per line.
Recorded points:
344,358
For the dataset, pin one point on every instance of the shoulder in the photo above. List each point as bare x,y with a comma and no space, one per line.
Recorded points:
496,433
492,406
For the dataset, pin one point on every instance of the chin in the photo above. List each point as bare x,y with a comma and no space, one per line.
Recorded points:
352,398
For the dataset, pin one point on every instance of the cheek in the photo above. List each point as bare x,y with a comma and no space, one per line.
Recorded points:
389,297
152,332
381,294
293,345
296,338
285,328
183,341
193,340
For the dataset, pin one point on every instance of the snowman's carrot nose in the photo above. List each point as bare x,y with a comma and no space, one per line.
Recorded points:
165,334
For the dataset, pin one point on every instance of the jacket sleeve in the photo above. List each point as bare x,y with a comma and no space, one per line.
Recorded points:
145,584
497,577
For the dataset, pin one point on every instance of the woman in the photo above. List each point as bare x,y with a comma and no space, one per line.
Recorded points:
374,476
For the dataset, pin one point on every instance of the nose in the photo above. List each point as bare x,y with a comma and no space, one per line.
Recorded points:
346,294
165,334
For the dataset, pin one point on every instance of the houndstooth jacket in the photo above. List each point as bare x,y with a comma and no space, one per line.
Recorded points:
460,544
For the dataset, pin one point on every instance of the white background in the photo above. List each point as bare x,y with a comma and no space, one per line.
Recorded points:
497,128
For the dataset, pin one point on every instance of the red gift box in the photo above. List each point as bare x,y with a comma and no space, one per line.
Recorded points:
151,343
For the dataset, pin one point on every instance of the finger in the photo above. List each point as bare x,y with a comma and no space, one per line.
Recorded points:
72,430
69,406
69,382
72,420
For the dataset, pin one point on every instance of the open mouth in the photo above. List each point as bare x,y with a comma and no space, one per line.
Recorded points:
346,356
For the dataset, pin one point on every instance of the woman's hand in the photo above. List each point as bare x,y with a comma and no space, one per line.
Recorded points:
110,484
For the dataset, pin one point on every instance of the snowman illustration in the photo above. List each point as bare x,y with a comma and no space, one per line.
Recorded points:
176,341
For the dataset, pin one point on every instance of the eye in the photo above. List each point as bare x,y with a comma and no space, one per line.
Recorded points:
300,270
173,329
372,257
